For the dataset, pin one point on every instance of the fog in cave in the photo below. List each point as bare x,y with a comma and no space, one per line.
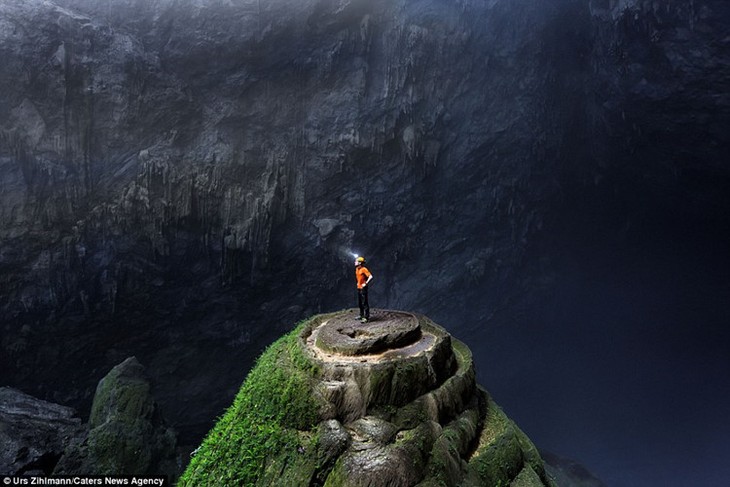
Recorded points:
182,181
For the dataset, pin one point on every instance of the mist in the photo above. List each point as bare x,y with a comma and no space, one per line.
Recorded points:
183,181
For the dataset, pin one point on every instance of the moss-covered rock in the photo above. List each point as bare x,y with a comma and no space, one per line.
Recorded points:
127,434
409,414
503,450
269,434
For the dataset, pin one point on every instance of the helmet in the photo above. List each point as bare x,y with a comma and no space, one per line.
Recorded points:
360,260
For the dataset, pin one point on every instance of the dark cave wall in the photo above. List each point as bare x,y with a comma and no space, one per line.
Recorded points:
181,180
661,102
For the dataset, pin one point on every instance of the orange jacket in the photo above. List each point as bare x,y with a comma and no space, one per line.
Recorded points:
361,275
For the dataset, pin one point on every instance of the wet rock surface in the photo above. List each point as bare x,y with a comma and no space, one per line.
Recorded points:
385,330
360,376
403,417
412,411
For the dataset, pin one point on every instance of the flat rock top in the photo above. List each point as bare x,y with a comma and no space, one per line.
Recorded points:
386,330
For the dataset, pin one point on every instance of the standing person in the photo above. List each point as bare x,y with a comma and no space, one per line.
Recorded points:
363,277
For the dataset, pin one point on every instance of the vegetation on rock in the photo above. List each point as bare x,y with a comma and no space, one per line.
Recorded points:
270,425
310,417
126,434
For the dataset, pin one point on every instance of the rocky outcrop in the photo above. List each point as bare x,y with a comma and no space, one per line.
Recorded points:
126,434
33,433
408,413
172,172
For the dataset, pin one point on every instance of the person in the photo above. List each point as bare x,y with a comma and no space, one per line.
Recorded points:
363,278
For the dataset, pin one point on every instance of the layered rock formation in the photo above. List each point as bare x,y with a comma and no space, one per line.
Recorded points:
180,177
171,169
390,403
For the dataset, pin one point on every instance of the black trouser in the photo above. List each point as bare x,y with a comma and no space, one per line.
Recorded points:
362,301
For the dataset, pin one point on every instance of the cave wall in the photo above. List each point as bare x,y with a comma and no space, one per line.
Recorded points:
182,179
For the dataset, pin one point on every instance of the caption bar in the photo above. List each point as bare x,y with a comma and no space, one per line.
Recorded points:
131,480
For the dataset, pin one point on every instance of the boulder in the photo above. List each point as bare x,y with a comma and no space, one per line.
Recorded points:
33,433
127,434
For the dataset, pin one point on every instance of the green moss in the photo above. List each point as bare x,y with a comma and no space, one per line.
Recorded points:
263,428
287,468
120,448
270,437
411,415
527,478
337,477
500,455
444,465
462,353
121,397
